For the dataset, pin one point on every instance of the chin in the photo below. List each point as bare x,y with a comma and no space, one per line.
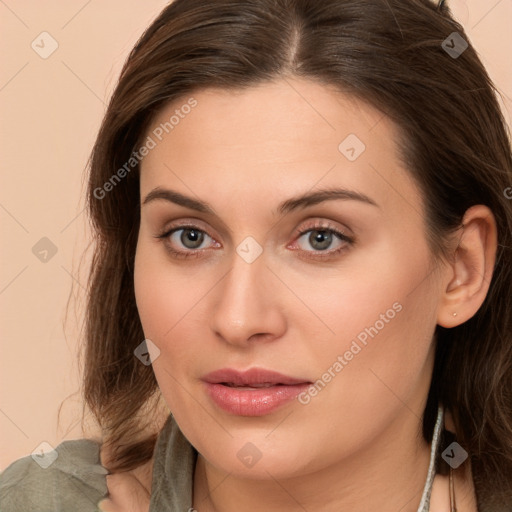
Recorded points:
257,453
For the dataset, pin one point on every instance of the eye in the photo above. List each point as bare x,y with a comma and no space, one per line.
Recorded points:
323,241
190,238
186,241
320,240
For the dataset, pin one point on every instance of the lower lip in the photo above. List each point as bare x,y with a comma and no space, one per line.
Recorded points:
253,401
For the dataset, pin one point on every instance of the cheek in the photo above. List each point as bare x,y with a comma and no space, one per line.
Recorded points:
382,293
164,297
170,301
380,356
164,293
383,317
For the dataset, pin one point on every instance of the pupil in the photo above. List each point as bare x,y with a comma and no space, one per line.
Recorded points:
191,238
320,239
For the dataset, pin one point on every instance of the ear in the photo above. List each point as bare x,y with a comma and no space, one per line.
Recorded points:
470,270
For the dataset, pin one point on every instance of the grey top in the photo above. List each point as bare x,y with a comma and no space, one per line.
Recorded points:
75,480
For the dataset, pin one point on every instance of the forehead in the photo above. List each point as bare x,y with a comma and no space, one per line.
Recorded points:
288,135
286,110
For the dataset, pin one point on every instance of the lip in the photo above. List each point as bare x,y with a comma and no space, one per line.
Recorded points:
254,392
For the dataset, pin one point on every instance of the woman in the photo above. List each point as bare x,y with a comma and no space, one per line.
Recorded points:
303,252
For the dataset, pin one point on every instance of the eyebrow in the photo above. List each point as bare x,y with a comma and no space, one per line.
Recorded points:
295,203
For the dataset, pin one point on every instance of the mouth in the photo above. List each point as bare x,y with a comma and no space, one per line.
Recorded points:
253,392
253,378
251,386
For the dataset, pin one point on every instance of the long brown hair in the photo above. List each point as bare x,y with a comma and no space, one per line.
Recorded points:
389,53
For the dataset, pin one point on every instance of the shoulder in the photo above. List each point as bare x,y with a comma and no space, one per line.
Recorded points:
67,478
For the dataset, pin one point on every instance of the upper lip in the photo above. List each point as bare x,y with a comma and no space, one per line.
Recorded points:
252,377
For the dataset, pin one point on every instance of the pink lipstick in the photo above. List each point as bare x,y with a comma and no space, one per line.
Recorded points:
254,392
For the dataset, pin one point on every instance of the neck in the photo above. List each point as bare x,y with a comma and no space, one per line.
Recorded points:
387,475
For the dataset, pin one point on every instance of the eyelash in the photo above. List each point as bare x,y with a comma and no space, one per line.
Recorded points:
318,255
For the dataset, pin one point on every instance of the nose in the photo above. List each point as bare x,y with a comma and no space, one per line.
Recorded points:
246,304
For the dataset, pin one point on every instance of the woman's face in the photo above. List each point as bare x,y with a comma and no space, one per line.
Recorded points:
238,273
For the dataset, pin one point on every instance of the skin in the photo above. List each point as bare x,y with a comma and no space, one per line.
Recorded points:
356,445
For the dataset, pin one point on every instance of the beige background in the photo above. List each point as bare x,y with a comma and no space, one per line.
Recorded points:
51,110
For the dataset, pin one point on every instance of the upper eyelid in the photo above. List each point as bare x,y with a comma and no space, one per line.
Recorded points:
196,224
173,229
186,224
338,233
326,225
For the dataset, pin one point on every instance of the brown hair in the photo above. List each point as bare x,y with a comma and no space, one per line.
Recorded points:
454,140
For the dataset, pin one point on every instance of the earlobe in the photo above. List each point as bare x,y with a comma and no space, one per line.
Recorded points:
470,271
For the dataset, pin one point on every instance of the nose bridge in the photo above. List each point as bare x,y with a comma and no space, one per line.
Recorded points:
245,306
